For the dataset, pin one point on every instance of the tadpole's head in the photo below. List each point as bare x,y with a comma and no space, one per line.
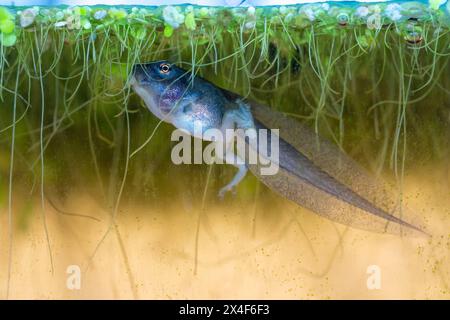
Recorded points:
160,84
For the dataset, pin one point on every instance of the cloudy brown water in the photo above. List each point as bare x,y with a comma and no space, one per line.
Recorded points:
259,249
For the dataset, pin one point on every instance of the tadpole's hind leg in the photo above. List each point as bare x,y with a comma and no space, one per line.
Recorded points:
237,118
235,160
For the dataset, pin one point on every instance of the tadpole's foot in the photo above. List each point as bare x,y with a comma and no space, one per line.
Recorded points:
226,189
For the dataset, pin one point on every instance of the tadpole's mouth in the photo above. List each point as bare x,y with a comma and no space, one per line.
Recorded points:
138,75
133,78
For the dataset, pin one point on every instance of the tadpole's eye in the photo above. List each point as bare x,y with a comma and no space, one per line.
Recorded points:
164,68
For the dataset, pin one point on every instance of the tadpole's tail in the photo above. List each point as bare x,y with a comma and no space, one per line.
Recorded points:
307,184
317,175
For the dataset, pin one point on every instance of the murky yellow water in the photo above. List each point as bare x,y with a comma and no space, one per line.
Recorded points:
245,251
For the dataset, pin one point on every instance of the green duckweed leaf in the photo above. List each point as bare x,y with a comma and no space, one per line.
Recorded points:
168,31
5,14
189,21
8,40
7,26
117,14
204,12
84,11
435,4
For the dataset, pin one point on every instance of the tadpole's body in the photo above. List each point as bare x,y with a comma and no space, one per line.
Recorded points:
312,172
